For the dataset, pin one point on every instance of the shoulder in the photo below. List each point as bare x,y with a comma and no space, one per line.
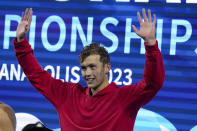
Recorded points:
128,90
74,86
127,87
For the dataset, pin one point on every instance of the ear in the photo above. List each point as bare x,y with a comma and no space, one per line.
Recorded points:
107,68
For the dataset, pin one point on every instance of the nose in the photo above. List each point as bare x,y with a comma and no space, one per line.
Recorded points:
88,72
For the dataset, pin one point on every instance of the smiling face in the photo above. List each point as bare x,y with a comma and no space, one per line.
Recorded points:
94,72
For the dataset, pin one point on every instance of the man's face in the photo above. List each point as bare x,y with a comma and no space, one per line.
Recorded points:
93,71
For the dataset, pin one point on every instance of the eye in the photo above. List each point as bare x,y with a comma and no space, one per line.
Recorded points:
83,68
93,67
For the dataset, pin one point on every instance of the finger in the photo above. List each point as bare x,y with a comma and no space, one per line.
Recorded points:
30,16
22,18
139,17
149,16
144,14
154,16
26,14
135,29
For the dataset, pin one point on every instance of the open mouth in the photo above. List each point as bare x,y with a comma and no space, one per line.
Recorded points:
90,80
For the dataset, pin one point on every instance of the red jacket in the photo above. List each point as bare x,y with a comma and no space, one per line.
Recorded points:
111,109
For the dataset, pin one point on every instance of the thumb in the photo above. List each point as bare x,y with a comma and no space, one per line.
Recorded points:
135,29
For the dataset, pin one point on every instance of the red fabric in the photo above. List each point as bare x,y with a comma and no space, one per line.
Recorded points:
111,109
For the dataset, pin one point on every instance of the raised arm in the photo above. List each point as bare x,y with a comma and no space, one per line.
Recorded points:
22,47
39,78
153,76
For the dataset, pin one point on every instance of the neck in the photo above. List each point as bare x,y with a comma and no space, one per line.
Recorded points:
99,88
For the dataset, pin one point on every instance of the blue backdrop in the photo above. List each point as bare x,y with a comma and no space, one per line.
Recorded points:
59,30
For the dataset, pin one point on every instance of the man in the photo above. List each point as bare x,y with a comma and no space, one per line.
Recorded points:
7,118
101,106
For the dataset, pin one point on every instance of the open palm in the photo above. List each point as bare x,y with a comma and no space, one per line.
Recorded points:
24,25
147,27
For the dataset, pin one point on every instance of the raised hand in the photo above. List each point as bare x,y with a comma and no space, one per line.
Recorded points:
23,26
147,27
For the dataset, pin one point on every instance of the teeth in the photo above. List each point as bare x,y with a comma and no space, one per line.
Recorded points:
90,79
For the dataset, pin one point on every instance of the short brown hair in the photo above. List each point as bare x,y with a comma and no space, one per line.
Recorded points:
94,49
8,118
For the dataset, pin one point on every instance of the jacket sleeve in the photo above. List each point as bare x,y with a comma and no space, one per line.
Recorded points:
153,77
54,90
